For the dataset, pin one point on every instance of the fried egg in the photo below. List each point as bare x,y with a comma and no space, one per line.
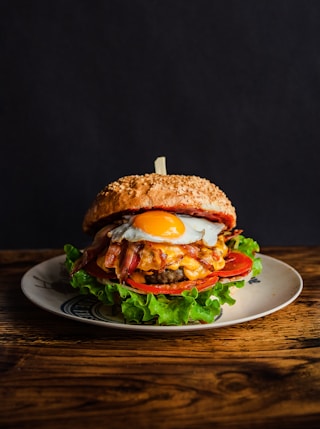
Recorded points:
164,227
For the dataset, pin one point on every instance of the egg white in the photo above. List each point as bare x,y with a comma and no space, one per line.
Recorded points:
195,229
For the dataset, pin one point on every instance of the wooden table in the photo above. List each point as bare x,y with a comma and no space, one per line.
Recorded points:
57,373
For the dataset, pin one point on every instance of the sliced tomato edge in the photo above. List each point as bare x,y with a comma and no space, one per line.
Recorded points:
174,288
242,269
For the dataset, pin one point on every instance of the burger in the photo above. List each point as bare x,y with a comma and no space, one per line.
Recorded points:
165,250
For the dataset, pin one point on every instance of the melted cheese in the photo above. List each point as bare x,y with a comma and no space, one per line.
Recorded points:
155,257
196,264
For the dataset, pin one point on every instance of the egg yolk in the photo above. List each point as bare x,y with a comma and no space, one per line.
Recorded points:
160,224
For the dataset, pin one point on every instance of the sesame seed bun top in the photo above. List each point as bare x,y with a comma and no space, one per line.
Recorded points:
191,195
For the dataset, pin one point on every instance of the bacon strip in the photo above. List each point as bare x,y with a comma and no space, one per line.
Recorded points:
112,254
100,241
129,260
191,250
231,234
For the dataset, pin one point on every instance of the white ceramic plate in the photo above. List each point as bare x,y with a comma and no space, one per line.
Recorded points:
46,285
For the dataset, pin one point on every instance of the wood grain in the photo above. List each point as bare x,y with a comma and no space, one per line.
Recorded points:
260,374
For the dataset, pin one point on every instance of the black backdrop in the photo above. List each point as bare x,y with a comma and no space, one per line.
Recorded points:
92,91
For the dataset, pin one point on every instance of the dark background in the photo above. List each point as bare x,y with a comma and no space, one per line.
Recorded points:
92,91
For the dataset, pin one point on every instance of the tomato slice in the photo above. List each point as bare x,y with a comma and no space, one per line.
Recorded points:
174,288
237,264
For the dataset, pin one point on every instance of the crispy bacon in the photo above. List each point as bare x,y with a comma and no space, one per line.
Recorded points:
101,240
129,259
191,250
112,254
231,234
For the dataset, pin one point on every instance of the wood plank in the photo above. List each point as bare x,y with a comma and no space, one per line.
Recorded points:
259,374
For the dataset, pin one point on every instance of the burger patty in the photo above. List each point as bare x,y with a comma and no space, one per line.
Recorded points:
166,276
